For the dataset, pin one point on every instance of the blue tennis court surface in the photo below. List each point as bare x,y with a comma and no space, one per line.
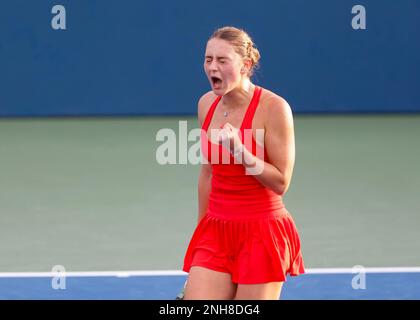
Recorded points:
158,286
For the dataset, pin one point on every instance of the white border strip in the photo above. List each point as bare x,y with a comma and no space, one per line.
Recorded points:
125,274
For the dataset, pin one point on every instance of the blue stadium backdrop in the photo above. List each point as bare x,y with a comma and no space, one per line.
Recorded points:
143,57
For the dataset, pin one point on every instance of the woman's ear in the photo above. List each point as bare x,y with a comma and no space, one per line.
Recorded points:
246,67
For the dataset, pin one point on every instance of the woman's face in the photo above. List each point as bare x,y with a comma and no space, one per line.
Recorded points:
222,66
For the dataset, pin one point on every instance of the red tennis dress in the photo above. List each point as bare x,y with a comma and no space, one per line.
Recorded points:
247,230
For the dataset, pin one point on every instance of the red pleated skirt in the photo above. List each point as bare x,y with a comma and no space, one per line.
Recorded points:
257,249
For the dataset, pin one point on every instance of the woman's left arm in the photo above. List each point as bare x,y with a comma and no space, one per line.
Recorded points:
279,142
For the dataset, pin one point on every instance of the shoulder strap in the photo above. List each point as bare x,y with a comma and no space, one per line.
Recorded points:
247,123
210,113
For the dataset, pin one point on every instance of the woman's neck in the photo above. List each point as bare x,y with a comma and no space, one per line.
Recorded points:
239,96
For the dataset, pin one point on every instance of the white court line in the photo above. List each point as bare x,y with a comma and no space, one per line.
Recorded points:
360,268
124,274
119,274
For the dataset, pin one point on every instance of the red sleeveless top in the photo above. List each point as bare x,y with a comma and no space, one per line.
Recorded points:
235,194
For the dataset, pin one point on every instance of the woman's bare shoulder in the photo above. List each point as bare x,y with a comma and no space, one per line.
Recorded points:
204,104
274,106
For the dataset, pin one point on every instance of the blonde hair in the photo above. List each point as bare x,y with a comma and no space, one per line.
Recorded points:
242,44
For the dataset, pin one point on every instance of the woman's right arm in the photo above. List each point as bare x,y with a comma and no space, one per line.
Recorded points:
204,179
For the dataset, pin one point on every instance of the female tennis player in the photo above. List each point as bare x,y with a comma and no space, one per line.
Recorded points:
246,241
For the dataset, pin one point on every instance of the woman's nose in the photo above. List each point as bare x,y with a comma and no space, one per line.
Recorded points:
212,66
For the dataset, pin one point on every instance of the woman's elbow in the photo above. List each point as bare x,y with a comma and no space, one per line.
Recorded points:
279,190
281,187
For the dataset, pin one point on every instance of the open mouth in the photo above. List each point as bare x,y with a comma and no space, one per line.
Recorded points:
216,82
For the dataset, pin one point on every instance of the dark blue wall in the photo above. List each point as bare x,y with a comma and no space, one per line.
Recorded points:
145,57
